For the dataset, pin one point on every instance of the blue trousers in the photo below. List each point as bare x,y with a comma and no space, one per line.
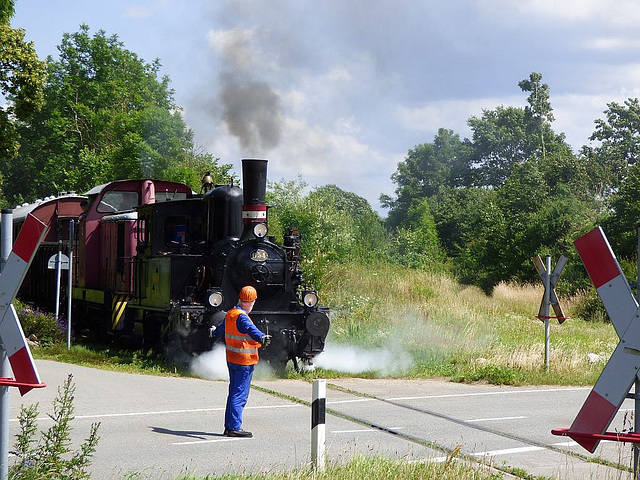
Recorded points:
239,386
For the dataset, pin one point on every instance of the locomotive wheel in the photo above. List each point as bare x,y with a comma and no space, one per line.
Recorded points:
277,362
169,341
278,367
151,331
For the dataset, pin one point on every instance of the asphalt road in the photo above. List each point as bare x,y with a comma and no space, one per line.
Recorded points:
159,427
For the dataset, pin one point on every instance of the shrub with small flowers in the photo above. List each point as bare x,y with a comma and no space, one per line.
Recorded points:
41,326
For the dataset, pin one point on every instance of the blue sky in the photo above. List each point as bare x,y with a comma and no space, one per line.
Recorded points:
338,91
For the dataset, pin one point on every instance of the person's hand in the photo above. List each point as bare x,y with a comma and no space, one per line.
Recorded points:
266,340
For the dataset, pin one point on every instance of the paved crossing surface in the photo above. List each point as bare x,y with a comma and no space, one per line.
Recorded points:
163,427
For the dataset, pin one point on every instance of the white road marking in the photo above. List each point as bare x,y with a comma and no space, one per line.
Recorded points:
565,444
479,394
359,400
506,451
492,453
167,412
354,431
494,419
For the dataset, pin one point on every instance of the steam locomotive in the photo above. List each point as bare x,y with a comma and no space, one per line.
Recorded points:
155,263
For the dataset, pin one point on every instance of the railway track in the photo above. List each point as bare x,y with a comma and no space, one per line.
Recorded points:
423,415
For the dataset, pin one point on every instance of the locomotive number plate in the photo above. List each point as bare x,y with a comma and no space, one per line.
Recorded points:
259,255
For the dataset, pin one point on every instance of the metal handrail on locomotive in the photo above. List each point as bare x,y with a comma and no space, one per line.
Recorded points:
158,265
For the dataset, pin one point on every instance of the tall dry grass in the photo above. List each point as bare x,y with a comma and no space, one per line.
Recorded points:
459,332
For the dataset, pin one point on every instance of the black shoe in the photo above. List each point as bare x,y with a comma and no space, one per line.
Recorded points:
237,433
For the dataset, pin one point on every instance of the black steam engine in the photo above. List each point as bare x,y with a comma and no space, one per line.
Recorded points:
194,256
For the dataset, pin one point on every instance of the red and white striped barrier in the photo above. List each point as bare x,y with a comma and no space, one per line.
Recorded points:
616,379
13,272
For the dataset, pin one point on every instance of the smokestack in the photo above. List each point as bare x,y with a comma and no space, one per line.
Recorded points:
254,188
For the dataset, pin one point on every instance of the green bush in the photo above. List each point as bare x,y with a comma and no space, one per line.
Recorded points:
51,456
495,374
40,325
335,226
589,307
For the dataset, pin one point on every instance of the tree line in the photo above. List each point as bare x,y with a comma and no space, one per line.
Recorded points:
516,189
479,207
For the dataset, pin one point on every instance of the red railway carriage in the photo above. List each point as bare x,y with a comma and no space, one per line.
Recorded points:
39,284
107,237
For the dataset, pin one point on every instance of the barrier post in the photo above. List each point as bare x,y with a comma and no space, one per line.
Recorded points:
550,298
318,409
547,310
70,284
5,367
636,397
56,313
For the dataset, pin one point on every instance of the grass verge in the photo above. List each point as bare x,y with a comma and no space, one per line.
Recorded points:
107,358
431,326
376,468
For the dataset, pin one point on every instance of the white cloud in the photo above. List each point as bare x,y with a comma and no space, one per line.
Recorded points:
613,44
619,12
324,156
361,82
452,114
138,11
338,73
318,152
575,114
320,155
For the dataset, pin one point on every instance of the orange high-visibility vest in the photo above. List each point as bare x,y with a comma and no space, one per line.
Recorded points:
241,348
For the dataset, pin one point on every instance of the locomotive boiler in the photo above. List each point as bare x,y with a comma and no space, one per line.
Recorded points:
160,265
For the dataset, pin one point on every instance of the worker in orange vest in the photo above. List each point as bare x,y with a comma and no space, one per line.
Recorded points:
242,339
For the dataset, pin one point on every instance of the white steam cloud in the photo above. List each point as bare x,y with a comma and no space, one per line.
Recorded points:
212,364
348,359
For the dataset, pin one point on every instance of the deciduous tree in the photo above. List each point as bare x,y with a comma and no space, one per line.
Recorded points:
427,168
539,112
22,77
619,148
108,115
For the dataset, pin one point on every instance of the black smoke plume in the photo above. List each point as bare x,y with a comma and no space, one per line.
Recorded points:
252,112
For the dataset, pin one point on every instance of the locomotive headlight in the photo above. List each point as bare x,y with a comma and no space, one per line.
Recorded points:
309,298
260,230
215,299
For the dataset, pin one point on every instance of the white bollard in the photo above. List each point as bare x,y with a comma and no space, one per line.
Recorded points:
318,409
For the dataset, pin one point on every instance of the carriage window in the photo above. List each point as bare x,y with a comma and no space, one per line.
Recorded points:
175,231
166,196
117,201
